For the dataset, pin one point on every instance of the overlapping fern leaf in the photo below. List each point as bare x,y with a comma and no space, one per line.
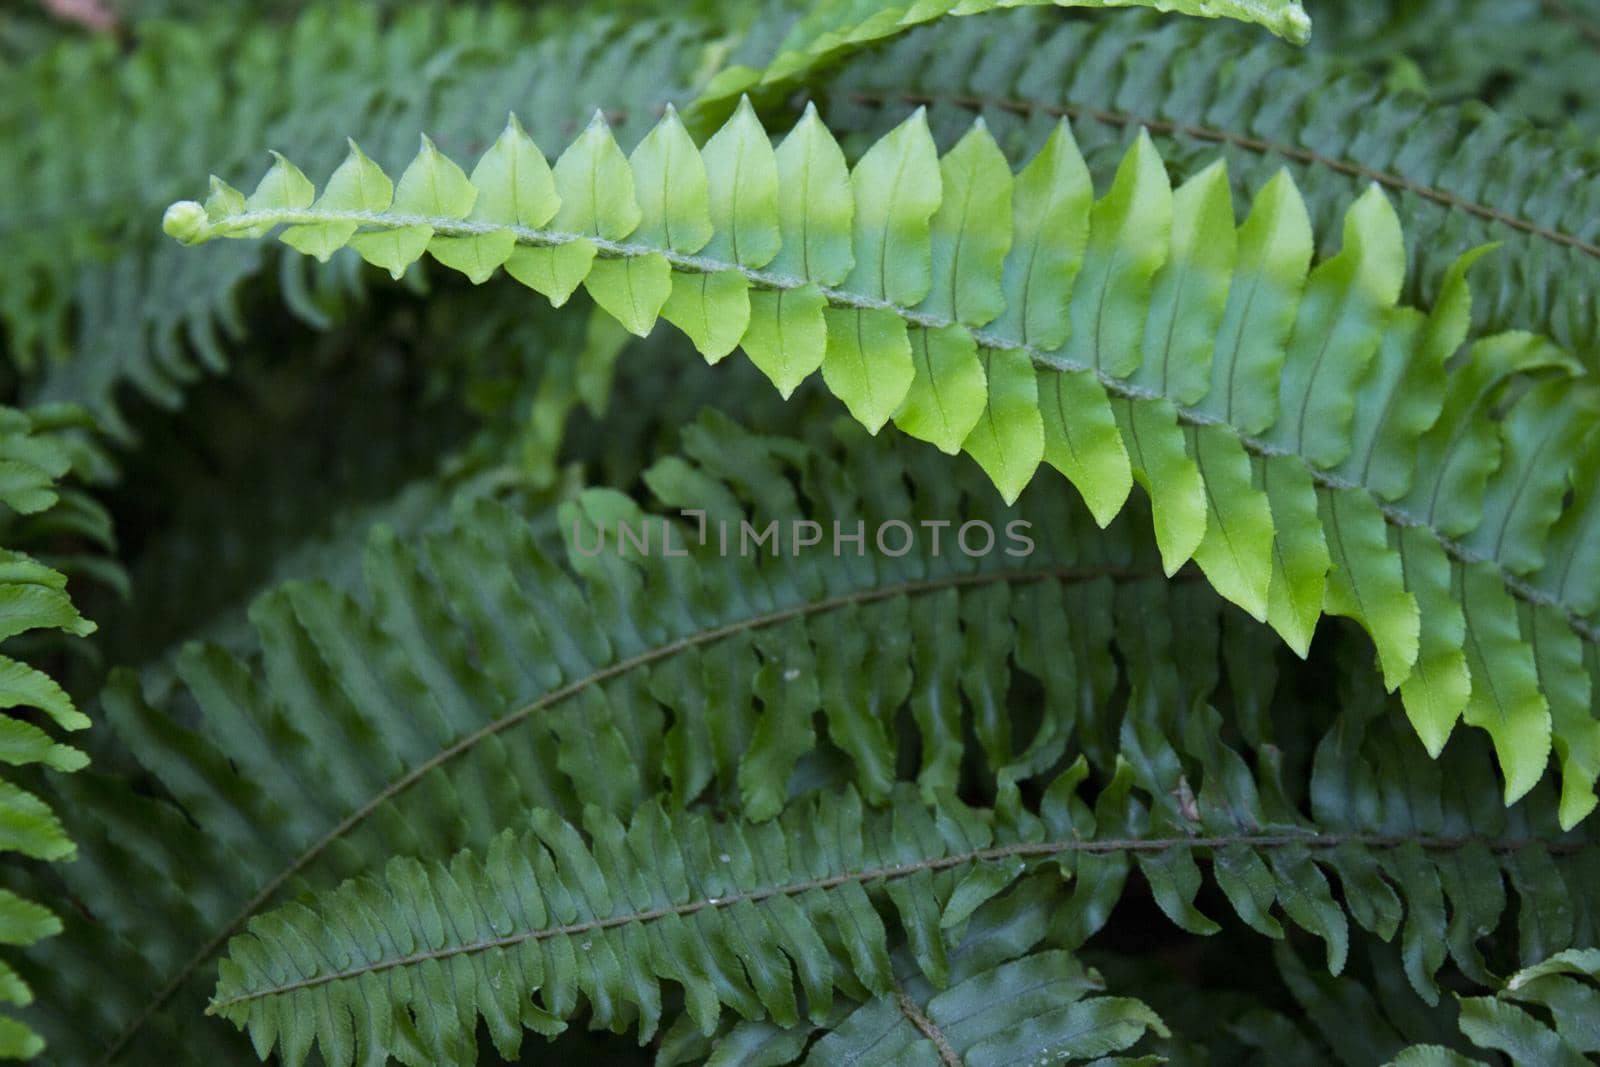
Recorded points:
777,920
1298,431
721,909
36,455
1002,1002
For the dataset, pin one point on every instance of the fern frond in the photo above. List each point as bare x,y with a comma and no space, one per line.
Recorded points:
1295,428
36,454
1037,1009
604,916
831,30
554,917
1462,175
484,676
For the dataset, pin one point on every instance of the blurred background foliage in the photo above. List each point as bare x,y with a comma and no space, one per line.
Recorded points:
258,413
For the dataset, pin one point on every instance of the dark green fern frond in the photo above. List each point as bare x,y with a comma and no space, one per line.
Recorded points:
1038,1009
483,677
601,916
1461,175
722,908
1297,430
486,680
915,1018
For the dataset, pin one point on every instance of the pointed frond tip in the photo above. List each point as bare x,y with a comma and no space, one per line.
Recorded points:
1314,446
185,221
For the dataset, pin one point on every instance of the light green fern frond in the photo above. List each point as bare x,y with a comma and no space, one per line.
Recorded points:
1296,429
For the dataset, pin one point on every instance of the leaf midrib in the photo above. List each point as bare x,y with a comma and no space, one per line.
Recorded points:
1024,849
839,297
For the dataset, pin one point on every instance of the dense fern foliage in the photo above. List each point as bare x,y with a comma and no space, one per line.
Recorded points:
1134,599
